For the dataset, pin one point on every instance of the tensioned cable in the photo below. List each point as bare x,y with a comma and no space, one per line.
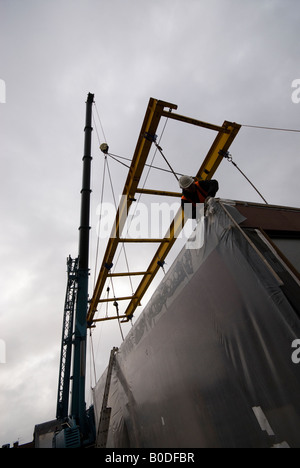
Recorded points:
96,129
100,218
155,152
228,156
260,127
92,359
116,157
99,141
98,237
126,259
110,178
152,138
100,122
102,190
271,128
172,170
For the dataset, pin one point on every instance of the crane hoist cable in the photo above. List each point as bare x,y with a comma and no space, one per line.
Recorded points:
100,122
100,217
104,149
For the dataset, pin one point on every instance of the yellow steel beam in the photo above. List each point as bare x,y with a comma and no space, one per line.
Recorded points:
158,192
115,317
221,143
198,123
126,240
155,110
113,299
129,273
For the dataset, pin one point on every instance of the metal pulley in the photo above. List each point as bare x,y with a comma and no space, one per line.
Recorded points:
104,148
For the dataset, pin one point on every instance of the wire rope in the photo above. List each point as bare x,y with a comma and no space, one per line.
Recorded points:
100,219
272,128
93,361
106,166
116,157
100,122
228,156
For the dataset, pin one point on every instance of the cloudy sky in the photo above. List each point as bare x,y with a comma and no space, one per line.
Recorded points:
219,60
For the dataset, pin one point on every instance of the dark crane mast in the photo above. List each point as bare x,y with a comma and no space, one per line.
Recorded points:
75,328
78,409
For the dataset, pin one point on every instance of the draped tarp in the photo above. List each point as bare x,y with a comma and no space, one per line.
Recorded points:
208,363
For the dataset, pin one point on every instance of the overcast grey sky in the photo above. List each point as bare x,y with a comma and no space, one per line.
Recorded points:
218,60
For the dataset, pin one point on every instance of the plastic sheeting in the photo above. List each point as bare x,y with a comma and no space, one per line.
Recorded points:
208,363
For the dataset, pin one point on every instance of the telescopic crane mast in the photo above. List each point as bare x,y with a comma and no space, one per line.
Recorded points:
75,328
78,408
